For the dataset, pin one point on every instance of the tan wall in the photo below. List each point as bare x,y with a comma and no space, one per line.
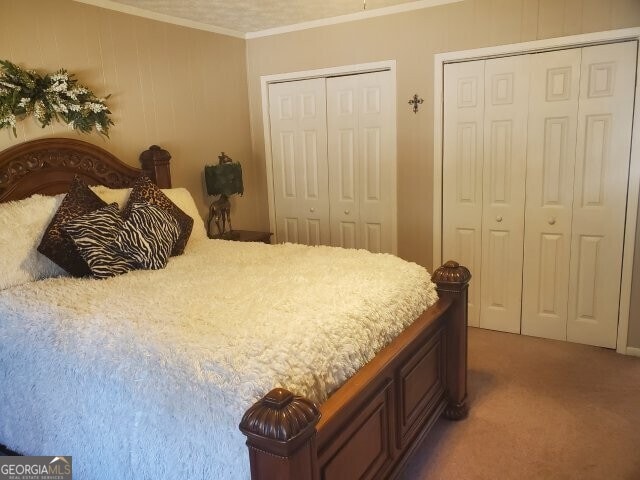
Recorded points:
180,88
412,39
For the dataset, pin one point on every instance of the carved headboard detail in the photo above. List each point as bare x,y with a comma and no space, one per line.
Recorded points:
47,165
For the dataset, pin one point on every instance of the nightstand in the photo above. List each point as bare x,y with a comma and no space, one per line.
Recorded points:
245,236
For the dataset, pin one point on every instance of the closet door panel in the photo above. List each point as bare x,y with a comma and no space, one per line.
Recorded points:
600,191
361,150
505,139
377,170
344,152
551,140
297,112
462,172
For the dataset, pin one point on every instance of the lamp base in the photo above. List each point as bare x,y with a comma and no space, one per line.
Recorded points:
229,235
220,214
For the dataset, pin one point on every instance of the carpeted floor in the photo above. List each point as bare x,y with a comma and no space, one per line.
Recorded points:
540,409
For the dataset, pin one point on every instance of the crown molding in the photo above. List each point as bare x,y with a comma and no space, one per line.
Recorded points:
139,12
351,17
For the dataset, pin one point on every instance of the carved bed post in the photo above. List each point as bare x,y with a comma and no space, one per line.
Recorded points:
281,434
155,163
452,282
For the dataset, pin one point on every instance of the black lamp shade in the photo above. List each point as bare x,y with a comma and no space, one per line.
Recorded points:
224,178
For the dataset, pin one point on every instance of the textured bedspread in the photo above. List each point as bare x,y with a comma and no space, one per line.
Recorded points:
147,375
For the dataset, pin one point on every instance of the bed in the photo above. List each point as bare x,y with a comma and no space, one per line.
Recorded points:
335,423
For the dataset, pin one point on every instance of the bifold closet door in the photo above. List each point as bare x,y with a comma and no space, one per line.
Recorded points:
360,154
462,172
551,152
506,88
484,161
299,153
605,116
536,153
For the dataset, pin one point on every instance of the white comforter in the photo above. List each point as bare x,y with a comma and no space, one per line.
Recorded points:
147,375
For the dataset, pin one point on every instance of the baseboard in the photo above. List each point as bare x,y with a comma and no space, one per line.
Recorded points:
635,351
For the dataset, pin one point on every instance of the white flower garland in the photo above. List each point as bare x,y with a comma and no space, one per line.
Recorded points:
52,96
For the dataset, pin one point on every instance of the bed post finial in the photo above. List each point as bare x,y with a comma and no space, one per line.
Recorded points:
281,430
155,163
452,281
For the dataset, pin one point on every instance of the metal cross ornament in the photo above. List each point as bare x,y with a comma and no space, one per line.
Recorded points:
415,101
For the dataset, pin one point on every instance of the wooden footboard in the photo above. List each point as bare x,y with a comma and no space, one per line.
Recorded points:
369,427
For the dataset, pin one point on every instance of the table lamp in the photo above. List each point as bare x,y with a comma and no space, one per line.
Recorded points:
223,179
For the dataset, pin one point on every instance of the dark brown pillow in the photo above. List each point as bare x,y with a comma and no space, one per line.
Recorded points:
145,191
56,243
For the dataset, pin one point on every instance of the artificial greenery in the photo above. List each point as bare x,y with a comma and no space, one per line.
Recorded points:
47,97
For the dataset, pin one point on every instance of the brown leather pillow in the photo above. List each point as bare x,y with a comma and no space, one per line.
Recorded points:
56,243
145,191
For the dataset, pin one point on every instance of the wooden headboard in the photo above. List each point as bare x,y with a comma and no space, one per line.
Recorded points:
47,166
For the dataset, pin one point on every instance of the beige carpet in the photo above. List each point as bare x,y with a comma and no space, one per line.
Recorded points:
540,409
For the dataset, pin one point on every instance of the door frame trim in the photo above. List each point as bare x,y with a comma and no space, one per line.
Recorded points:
266,80
573,41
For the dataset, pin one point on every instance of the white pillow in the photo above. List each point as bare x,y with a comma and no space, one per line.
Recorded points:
112,195
22,224
185,202
180,196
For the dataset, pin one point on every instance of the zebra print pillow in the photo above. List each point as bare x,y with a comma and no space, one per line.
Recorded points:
148,236
145,191
94,235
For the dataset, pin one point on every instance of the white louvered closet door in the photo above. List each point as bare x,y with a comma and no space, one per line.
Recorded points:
299,153
551,153
360,152
506,89
605,118
462,172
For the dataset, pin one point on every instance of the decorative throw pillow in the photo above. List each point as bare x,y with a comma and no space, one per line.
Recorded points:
148,236
22,224
181,197
56,244
94,235
145,191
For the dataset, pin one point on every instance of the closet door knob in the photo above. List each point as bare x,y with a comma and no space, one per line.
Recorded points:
346,212
551,220
312,209
498,219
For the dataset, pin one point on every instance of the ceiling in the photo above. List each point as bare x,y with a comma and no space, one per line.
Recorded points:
244,17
